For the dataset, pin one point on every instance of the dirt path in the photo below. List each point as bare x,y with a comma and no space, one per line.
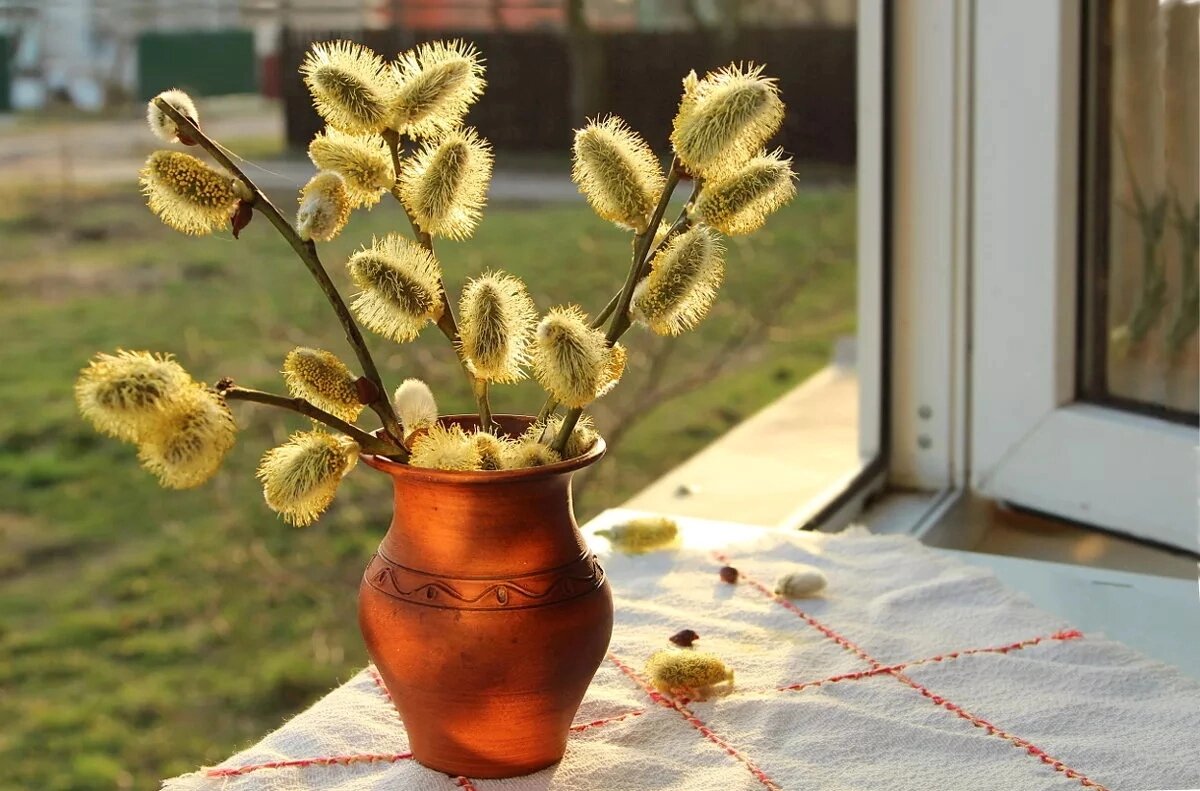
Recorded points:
104,151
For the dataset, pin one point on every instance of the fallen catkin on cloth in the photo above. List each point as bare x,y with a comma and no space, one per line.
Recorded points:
911,670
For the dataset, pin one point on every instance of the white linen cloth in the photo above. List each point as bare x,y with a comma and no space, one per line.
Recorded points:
911,670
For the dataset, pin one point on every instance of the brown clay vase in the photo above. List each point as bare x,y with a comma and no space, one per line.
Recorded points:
485,612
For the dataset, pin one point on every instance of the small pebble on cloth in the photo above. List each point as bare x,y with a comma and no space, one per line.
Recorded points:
684,638
802,581
729,574
642,535
691,674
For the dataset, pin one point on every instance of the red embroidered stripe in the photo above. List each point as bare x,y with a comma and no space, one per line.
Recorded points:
822,628
333,760
465,783
992,730
696,723
373,672
1071,634
878,667
597,723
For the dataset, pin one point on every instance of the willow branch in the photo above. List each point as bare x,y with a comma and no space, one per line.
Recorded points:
307,251
548,408
681,224
620,317
381,446
607,311
446,322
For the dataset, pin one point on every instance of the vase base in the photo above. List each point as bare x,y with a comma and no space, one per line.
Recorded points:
484,770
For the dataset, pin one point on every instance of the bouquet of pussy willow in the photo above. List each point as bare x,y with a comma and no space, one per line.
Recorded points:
398,128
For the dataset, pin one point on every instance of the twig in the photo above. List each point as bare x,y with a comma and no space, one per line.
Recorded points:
620,318
752,330
1187,310
481,401
681,224
548,409
369,443
446,322
307,252
606,311
1151,220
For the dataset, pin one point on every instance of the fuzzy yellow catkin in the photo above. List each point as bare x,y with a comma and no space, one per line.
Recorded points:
301,477
492,450
683,282
740,202
525,453
187,194
187,445
693,674
643,534
324,207
445,448
322,379
617,172
436,84
362,161
496,321
401,287
570,359
415,406
583,436
125,393
348,86
725,118
614,368
445,184
160,123
660,234
802,581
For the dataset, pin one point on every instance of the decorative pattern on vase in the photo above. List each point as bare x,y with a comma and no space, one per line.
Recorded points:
539,589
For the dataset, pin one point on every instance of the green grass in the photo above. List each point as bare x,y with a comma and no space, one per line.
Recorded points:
145,632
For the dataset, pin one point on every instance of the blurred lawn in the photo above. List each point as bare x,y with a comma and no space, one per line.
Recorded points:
145,632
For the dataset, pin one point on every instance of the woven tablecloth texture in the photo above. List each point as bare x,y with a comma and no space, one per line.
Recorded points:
911,670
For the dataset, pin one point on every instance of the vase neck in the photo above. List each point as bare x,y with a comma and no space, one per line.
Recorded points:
486,529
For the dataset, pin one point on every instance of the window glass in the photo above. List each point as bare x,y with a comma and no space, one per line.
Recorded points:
1141,217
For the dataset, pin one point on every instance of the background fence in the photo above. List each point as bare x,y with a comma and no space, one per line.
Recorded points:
185,60
527,106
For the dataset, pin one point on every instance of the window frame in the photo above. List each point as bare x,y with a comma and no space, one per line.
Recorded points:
1031,442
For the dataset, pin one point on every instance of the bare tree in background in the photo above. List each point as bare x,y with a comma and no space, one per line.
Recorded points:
723,18
663,381
585,52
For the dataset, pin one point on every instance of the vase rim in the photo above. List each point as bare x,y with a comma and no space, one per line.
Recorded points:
431,475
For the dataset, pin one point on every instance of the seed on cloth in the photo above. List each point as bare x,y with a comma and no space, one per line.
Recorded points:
685,638
800,582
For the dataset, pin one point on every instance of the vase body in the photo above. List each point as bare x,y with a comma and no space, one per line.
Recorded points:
485,613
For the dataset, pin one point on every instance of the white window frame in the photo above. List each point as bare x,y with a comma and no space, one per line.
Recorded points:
1031,442
930,64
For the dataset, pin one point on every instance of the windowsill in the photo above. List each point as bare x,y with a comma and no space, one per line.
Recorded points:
777,466
977,524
